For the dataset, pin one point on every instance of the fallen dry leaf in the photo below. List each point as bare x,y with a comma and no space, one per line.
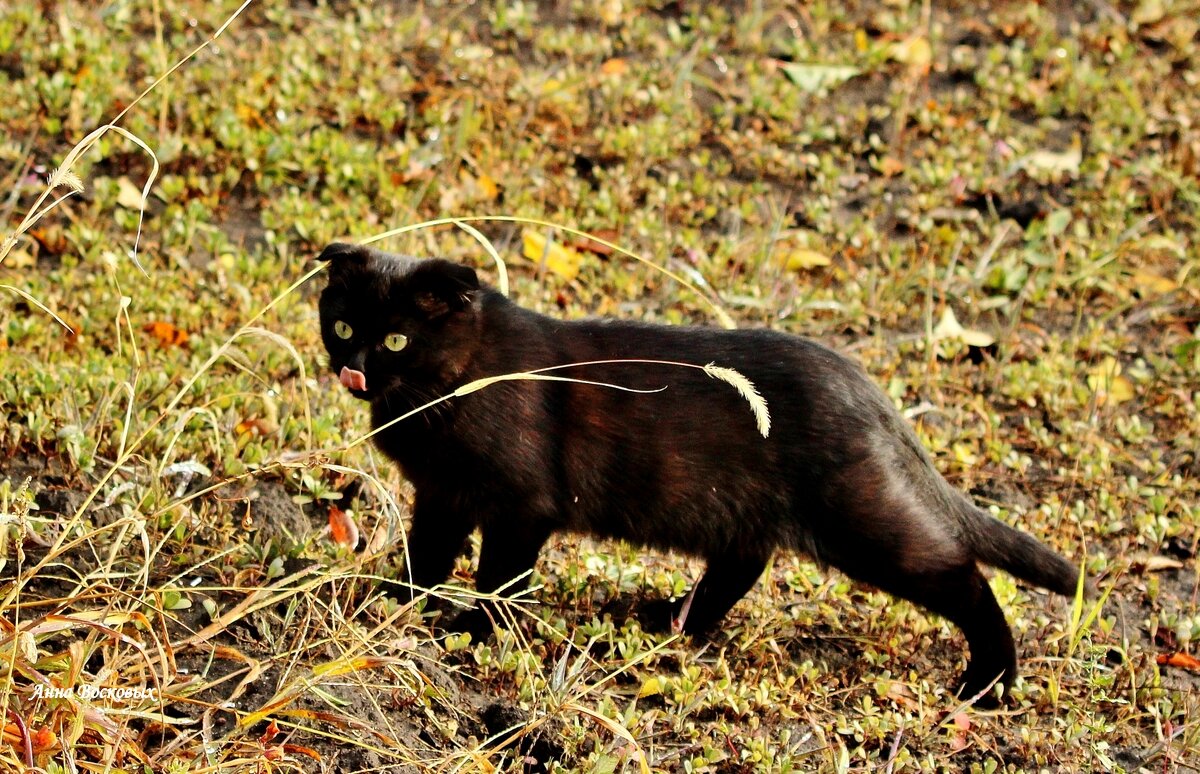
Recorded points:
42,739
903,695
949,328
129,195
342,527
1106,381
166,334
1179,661
559,258
252,426
890,166
615,66
1149,283
1156,564
588,245
914,52
296,749
271,731
962,724
801,258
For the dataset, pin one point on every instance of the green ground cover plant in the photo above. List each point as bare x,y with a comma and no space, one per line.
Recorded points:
996,210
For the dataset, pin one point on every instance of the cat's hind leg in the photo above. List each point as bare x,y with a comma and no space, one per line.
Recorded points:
726,579
962,595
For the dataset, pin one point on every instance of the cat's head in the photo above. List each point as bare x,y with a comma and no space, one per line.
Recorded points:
391,322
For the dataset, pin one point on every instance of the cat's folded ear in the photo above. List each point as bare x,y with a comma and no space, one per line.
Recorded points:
440,287
342,255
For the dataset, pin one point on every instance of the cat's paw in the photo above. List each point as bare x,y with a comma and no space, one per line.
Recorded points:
474,621
656,615
401,592
670,616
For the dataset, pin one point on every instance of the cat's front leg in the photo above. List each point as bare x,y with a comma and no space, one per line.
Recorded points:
506,557
438,536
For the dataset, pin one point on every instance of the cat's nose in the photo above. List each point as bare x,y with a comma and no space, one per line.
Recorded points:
353,380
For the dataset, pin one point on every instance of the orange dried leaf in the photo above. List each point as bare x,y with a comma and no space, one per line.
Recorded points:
296,749
270,733
487,187
253,426
890,166
589,245
1179,661
342,527
615,66
166,334
43,739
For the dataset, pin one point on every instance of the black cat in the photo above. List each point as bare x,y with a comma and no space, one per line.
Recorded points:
840,477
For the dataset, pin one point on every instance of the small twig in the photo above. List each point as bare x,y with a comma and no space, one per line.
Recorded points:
26,742
681,619
894,750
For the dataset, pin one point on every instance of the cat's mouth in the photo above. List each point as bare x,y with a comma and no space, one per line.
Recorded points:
354,381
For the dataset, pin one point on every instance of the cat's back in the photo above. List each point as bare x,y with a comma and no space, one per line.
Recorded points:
804,381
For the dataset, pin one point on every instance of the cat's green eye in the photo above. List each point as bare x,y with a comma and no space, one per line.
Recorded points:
395,341
342,330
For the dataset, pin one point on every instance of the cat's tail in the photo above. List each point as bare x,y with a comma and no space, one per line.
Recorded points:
999,545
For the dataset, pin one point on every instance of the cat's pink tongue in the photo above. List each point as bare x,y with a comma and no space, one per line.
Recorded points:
353,380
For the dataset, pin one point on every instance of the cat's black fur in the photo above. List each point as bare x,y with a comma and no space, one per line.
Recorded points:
841,477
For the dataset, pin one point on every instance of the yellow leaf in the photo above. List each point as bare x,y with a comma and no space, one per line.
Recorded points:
250,116
650,688
558,258
1149,282
914,52
611,11
1156,563
1106,381
488,187
949,328
20,258
860,40
129,195
801,258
